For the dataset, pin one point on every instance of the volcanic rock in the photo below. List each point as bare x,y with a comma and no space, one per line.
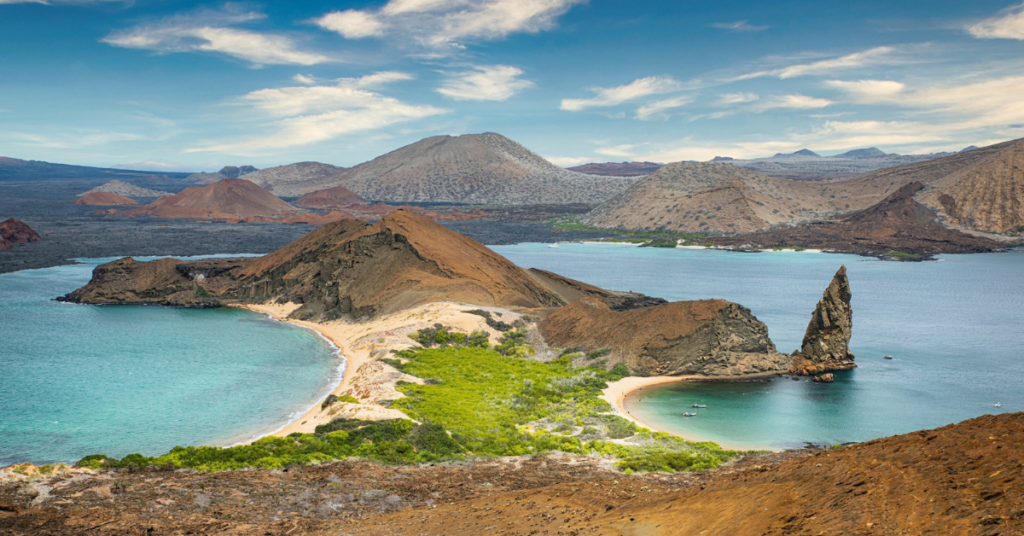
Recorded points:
13,231
707,337
296,179
331,198
230,200
104,199
826,344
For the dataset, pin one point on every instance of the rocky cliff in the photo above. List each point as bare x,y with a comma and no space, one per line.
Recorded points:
707,337
826,344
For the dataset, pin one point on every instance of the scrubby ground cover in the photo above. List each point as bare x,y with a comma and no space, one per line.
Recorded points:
476,401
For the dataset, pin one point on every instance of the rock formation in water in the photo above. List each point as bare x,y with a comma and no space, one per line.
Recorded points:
826,344
13,231
707,337
104,199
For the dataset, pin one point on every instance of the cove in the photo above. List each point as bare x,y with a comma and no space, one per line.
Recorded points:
954,327
81,379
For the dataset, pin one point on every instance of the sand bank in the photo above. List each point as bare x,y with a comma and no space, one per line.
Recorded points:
362,344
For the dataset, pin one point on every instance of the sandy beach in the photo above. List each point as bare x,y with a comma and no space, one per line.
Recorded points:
362,344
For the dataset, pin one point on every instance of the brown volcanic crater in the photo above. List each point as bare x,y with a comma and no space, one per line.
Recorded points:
230,200
104,199
331,198
13,231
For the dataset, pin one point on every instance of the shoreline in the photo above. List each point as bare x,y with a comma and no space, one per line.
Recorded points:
617,392
360,344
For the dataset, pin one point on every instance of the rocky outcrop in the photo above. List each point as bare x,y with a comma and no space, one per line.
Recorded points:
13,231
826,344
705,337
104,199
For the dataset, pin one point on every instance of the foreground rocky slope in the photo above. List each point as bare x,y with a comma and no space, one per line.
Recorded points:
477,169
959,479
896,225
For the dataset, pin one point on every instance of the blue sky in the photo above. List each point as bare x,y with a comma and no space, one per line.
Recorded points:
184,85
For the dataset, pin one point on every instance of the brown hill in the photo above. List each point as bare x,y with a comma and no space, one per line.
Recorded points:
898,224
345,269
711,337
616,169
225,200
296,179
104,199
331,198
474,168
981,189
956,480
17,232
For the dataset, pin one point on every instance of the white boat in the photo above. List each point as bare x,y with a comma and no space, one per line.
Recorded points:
886,356
700,405
554,245
999,404
688,414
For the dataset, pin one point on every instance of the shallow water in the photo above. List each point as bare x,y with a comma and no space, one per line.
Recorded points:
954,326
81,379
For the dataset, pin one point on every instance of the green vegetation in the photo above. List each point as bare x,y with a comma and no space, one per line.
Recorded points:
331,399
476,401
573,223
660,243
903,256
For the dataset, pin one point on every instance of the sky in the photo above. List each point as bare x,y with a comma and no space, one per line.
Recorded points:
185,85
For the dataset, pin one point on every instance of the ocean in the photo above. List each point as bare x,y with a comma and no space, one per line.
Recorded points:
84,379
955,327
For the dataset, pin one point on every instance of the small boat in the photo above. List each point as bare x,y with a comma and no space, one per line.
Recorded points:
886,356
689,414
999,404
700,405
554,246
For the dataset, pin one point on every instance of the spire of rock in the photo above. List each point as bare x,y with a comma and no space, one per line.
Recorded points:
826,344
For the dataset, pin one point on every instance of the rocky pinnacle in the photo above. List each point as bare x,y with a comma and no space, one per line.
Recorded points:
826,344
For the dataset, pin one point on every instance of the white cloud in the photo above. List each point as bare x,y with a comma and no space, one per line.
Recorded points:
791,102
352,24
617,151
302,115
657,108
869,90
738,98
568,161
303,79
212,31
489,82
739,26
613,96
872,56
1008,25
446,23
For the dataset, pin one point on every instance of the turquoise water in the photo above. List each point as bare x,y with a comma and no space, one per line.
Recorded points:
81,379
954,326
